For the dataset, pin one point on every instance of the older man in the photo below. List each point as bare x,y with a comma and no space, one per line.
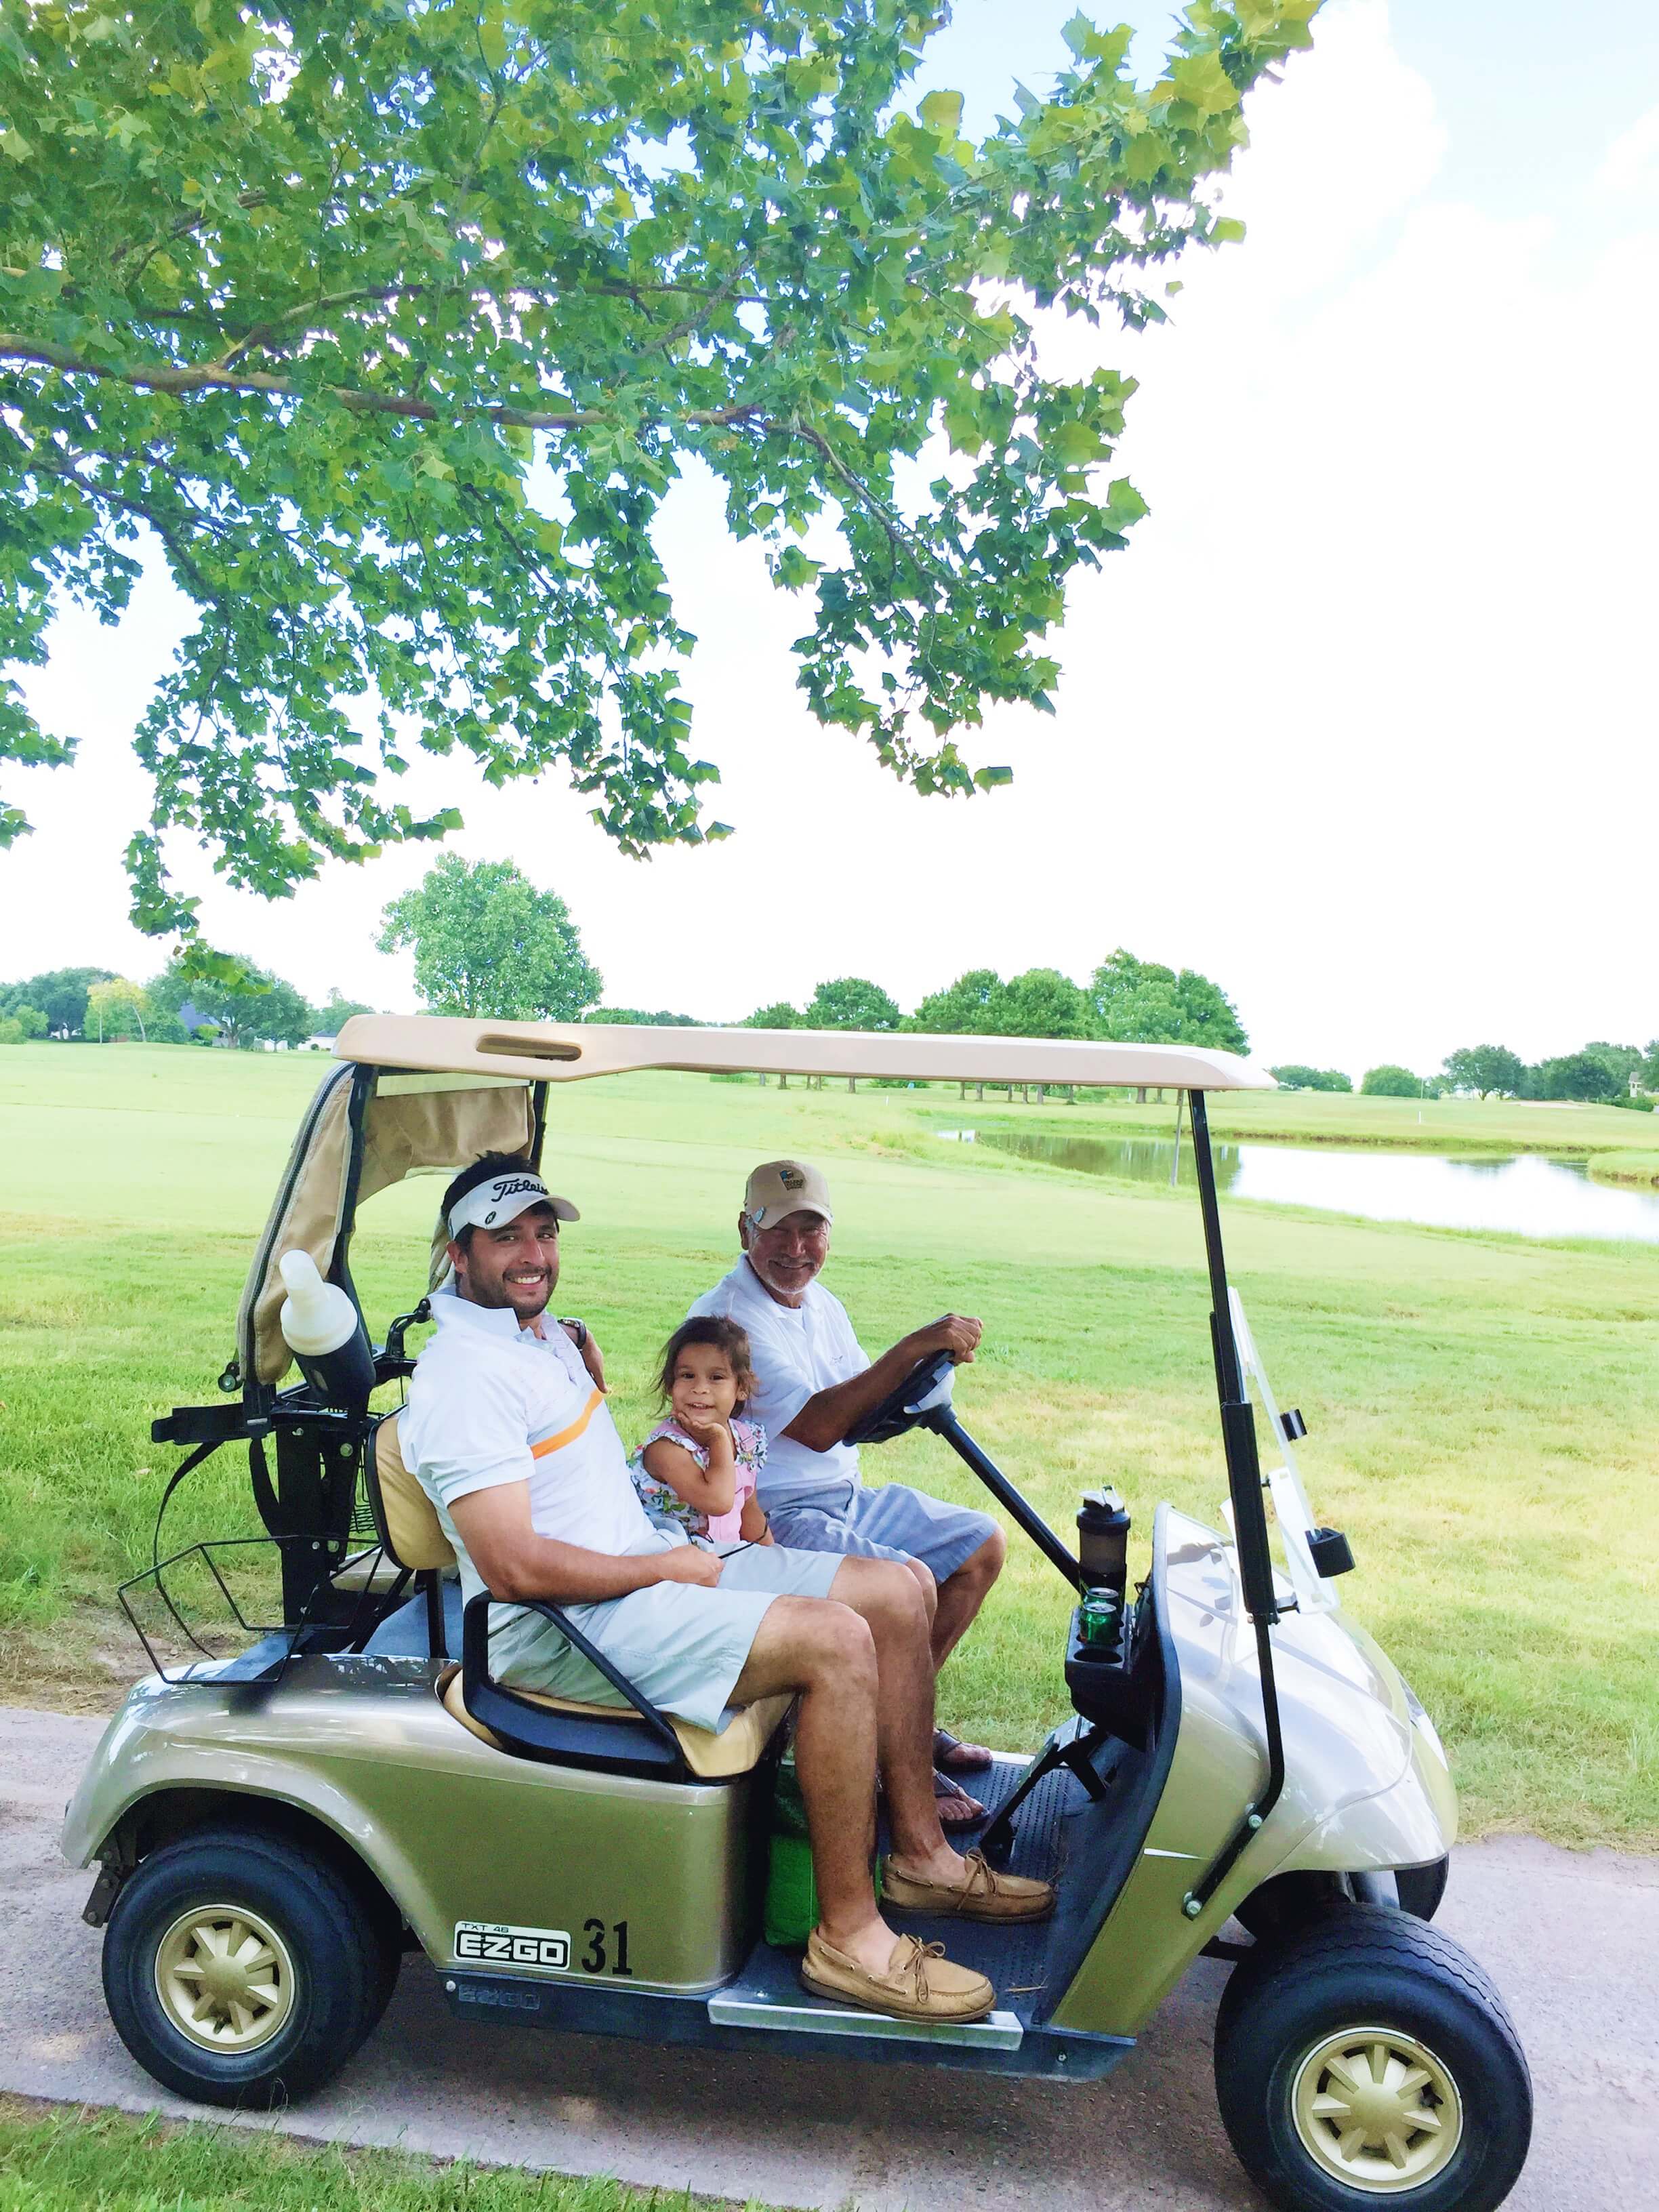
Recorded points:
817,1383
508,1431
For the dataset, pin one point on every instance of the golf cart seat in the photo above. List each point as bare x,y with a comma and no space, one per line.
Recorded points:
408,1527
740,1745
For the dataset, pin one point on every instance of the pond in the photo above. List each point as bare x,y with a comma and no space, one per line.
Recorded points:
1527,1195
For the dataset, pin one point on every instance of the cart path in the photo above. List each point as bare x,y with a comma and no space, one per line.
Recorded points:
1573,1941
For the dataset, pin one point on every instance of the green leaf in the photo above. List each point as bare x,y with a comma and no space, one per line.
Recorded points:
987,778
942,112
1199,81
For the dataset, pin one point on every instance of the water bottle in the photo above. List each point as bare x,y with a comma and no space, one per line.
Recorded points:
325,1332
1103,1539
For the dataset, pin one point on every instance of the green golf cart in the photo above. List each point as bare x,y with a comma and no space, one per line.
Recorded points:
1244,1774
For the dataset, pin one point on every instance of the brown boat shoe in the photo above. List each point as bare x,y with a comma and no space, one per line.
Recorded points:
985,1895
920,1984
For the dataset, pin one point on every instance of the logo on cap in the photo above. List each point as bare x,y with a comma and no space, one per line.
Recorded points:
792,1178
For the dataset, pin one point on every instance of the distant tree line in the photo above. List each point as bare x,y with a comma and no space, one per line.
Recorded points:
248,1007
1125,998
1600,1073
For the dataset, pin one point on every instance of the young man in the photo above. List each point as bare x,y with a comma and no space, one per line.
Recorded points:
507,1429
817,1382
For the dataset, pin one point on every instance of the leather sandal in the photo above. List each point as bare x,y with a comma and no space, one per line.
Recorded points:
987,1894
920,1984
956,1757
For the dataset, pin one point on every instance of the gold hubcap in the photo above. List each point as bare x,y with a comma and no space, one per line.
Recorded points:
224,1977
1376,2109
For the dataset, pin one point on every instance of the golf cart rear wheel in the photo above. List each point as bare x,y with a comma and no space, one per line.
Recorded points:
240,1969
1369,2062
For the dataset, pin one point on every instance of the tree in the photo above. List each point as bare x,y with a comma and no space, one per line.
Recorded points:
118,1006
60,993
1621,1061
253,1007
486,941
779,1015
662,1019
31,1022
1391,1081
1486,1069
1648,1071
975,1004
851,1002
1294,1076
1043,1002
1138,1001
1579,1075
297,297
336,1009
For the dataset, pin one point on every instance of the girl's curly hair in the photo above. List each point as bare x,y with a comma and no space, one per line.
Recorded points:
727,1337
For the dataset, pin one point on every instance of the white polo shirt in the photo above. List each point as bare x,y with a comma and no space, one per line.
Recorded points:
797,1350
491,1403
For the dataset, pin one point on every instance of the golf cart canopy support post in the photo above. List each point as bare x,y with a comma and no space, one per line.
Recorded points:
1244,1489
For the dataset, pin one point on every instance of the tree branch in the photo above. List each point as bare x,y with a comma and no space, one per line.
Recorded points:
181,383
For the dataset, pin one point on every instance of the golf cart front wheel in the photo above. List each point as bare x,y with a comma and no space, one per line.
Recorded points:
1369,2062
240,1969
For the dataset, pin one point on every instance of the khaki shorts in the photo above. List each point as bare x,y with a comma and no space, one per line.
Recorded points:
683,1646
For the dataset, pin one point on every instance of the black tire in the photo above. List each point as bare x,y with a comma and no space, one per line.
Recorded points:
1370,1967
332,1980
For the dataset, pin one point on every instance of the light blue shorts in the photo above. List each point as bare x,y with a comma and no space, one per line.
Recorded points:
893,1522
684,1646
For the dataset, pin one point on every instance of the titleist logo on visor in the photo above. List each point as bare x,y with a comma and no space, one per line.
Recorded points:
484,1207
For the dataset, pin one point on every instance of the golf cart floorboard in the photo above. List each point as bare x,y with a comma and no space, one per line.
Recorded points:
1011,1956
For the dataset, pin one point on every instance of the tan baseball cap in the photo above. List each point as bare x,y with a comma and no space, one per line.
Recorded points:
780,1188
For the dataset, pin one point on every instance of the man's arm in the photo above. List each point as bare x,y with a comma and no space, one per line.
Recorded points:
827,1416
517,1563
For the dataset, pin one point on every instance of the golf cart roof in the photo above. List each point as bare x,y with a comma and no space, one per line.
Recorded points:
565,1052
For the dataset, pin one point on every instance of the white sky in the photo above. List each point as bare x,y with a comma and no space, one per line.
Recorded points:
1361,725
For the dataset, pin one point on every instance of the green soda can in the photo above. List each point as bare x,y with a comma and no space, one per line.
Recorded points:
1097,1616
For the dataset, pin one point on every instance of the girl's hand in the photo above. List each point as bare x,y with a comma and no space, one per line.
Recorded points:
711,1430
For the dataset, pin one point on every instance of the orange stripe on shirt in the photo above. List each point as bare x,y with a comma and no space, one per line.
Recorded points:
568,1435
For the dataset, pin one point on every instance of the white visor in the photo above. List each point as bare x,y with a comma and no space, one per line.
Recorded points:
492,1205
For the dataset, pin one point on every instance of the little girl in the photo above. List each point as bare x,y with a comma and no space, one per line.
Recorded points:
697,1470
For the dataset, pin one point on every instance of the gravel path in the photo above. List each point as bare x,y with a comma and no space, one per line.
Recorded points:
1572,1940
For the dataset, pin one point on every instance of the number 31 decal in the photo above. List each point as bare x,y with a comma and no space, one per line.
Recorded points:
597,1960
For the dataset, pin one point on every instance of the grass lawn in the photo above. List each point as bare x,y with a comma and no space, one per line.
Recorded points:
1481,1408
72,2159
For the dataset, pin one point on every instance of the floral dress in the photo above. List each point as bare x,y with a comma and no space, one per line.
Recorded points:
667,1509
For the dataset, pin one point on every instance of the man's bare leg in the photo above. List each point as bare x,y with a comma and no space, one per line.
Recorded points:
962,1595
888,1599
826,1652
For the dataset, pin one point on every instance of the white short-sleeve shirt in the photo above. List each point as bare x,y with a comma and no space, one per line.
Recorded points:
797,1352
490,1403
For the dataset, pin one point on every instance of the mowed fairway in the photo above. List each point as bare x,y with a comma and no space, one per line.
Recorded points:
1482,1409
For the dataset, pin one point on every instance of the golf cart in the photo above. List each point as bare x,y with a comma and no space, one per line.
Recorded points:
275,1830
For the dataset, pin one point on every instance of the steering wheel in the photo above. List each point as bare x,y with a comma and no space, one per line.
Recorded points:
926,1388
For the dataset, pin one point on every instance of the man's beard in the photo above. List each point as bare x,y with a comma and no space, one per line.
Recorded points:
784,1290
